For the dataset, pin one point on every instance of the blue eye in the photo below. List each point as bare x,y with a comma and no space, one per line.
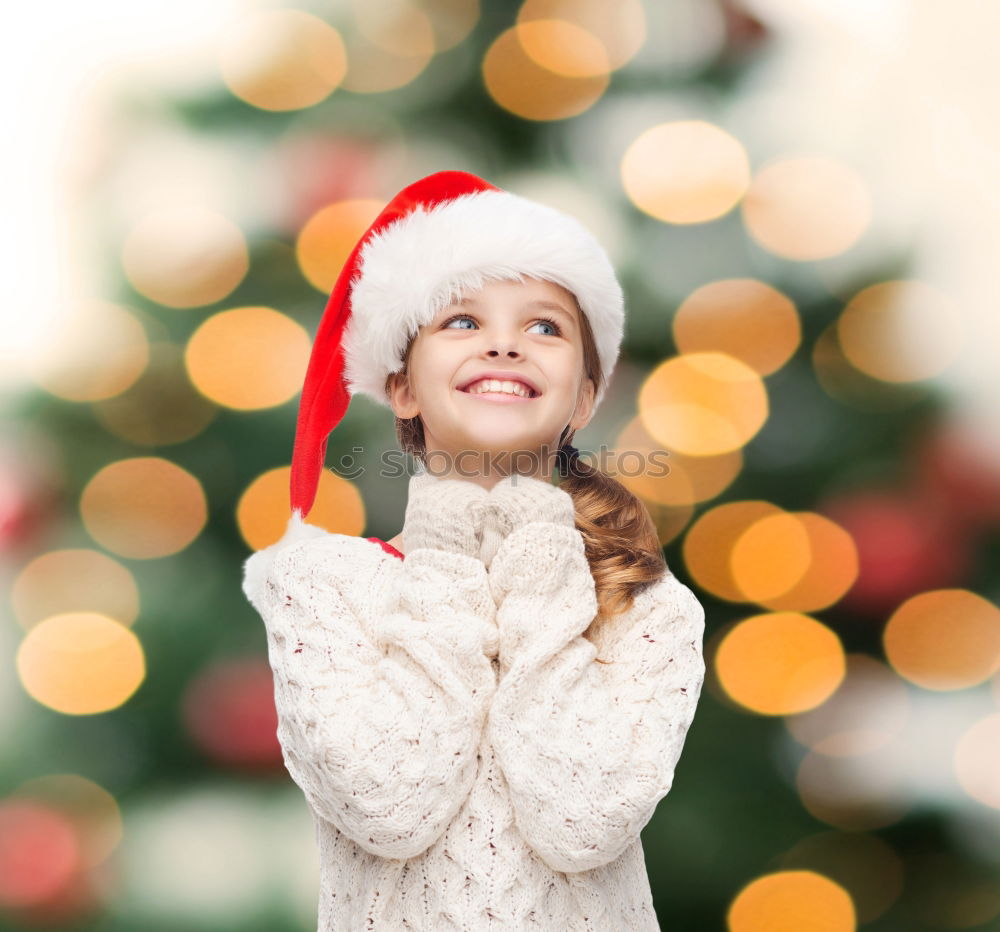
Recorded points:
551,323
449,321
541,320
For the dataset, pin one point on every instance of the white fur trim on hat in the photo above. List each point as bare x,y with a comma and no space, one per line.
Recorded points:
258,565
429,258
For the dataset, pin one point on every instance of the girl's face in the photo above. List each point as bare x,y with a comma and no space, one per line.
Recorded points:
531,330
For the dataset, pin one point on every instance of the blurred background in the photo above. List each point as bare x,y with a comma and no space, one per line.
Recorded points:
801,199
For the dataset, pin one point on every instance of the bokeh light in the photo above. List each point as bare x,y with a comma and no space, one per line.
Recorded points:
901,331
685,172
248,358
395,40
400,26
905,546
229,712
781,663
563,48
840,791
162,407
185,256
264,508
709,543
205,855
831,571
955,466
792,901
96,351
76,579
870,709
867,867
80,663
848,385
143,508
667,477
806,208
619,28
92,811
282,59
703,404
329,236
516,81
30,828
944,639
770,556
742,317
785,561
977,761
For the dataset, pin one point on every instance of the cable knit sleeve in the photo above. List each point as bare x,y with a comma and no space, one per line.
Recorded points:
382,681
587,749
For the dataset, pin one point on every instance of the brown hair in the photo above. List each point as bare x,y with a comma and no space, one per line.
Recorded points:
620,538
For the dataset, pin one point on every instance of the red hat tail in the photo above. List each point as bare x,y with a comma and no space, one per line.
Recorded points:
325,396
324,399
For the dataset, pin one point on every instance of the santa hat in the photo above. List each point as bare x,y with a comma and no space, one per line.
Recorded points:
438,238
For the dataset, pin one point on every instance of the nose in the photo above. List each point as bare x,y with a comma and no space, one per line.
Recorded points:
504,344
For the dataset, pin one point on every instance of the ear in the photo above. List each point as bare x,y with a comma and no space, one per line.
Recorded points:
584,406
401,398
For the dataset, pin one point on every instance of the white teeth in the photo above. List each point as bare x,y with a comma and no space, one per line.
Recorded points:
495,385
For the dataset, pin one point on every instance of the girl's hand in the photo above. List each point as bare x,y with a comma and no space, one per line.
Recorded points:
519,500
444,514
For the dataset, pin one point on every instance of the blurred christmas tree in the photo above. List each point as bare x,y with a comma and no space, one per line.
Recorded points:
839,527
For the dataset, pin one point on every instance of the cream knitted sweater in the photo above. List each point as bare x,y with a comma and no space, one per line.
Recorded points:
468,764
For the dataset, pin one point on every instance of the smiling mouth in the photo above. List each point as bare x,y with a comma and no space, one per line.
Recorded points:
532,394
507,397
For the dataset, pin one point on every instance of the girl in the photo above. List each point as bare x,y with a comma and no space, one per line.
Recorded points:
484,712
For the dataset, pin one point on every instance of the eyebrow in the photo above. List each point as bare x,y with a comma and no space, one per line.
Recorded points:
539,303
